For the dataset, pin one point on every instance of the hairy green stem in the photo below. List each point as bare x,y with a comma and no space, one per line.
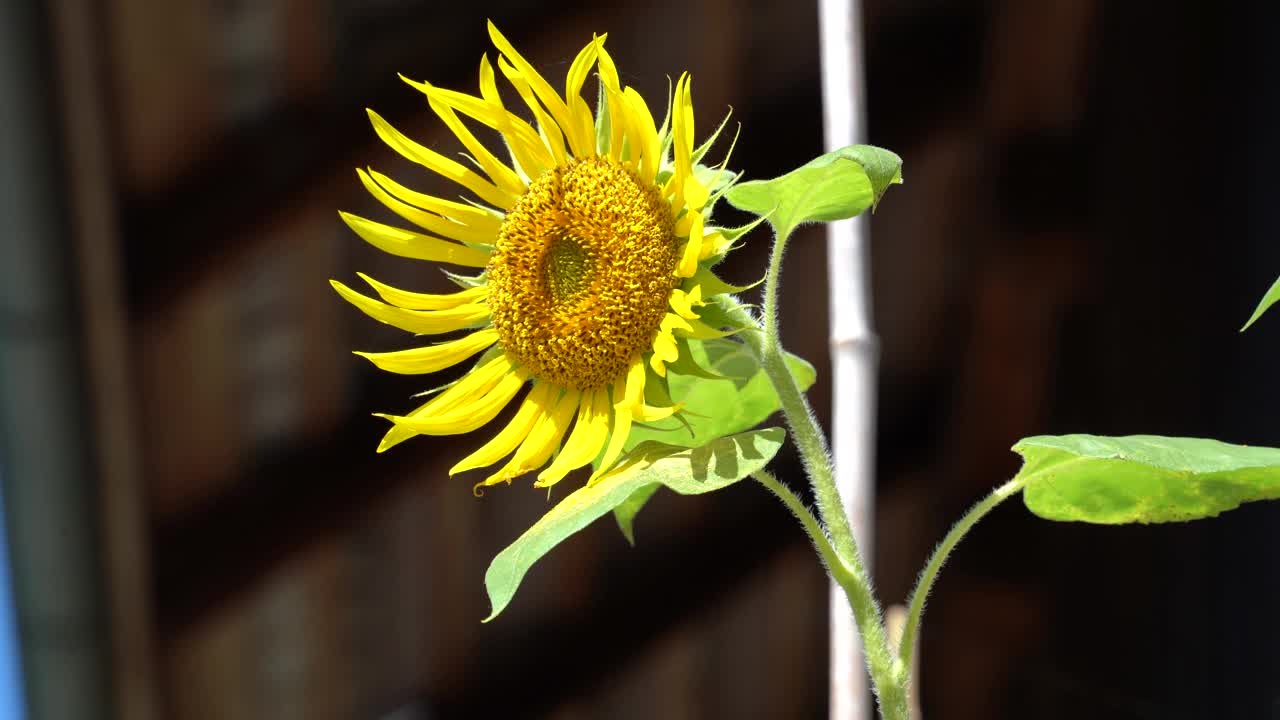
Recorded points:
915,608
811,525
804,428
850,573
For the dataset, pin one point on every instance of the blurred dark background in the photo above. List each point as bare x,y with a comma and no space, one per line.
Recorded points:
199,527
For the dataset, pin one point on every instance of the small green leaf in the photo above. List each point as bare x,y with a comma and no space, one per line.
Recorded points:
713,408
716,408
688,472
834,186
712,285
626,513
1271,298
1142,478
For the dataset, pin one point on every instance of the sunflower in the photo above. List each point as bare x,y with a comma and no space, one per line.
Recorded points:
595,251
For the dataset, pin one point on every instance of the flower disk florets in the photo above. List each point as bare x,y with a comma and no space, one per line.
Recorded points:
582,273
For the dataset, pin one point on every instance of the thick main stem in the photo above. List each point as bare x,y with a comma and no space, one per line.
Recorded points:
853,578
804,429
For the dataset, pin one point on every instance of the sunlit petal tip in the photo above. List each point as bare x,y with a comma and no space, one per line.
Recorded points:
545,481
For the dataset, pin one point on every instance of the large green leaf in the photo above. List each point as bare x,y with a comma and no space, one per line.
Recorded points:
1271,298
1143,478
688,472
834,186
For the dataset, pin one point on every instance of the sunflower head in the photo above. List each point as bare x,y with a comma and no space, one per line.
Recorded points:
593,241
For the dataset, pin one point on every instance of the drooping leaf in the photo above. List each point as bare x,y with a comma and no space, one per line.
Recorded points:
1271,298
838,185
688,472
1143,478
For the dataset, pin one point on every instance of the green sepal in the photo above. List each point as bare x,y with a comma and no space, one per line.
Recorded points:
604,127
467,282
743,400
432,391
685,364
1271,298
712,285
702,150
665,136
714,179
703,331
657,388
490,353
716,315
732,234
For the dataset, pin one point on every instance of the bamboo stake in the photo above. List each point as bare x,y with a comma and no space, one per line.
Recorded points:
853,344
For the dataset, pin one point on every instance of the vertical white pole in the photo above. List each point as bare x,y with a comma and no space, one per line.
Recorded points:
853,345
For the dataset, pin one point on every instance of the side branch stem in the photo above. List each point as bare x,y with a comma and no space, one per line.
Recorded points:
915,608
811,525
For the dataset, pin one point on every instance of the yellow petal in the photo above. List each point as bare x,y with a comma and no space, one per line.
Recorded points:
695,193
581,147
489,110
418,361
619,429
649,413
584,443
522,139
545,438
665,351
605,65
422,301
424,219
682,302
481,379
579,111
440,164
681,140
628,394
646,133
671,322
406,243
489,221
511,436
619,122
503,176
688,264
417,321
712,244
550,131
466,415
